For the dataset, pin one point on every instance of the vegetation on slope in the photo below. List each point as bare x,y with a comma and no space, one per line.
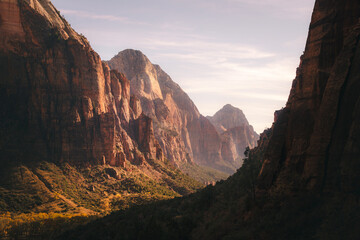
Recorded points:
183,218
203,174
39,200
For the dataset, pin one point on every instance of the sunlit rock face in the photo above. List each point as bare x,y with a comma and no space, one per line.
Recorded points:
159,98
315,143
184,135
58,100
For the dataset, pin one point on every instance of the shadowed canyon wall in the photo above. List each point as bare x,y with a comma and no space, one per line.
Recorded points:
315,142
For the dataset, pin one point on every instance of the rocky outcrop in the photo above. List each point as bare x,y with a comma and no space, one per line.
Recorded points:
58,101
235,132
182,132
315,143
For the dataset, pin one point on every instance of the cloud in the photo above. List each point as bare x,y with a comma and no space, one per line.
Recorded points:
218,52
204,52
281,8
106,17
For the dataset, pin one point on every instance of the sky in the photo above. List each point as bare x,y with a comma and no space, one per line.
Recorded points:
239,52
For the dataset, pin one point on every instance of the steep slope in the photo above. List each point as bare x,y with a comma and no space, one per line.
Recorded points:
183,133
62,107
235,132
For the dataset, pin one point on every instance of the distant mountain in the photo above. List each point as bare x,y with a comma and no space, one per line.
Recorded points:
235,132
228,117
183,133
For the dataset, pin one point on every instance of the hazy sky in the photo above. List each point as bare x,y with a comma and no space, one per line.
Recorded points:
242,52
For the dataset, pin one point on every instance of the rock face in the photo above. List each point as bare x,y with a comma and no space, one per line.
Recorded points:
58,101
183,133
144,135
315,143
235,132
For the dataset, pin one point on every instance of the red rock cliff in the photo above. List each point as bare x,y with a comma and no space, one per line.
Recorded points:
58,101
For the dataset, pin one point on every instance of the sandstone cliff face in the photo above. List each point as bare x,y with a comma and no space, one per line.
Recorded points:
235,132
184,135
58,101
315,143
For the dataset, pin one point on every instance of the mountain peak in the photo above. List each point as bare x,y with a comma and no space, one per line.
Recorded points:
230,108
133,52
228,117
135,57
140,71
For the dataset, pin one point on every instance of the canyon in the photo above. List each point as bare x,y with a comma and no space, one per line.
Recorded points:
302,179
84,137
